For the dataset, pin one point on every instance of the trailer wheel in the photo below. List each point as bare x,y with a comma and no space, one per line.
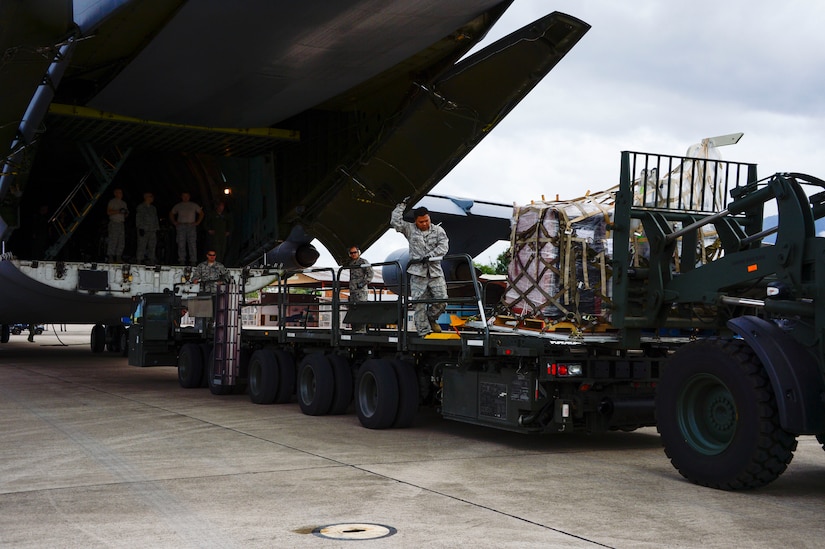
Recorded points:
5,333
190,366
316,385
342,393
206,348
124,341
98,338
112,339
286,379
210,377
717,415
407,393
376,394
243,371
263,377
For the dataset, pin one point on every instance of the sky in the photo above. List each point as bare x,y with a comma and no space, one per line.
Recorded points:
651,76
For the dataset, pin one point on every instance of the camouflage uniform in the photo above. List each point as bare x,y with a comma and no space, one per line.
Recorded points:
426,279
208,273
187,229
117,228
359,278
146,222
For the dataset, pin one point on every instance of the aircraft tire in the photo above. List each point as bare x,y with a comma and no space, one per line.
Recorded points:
376,394
342,392
98,338
263,381
316,385
190,366
407,393
286,376
5,333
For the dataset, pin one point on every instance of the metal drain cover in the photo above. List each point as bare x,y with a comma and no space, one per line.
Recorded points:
354,530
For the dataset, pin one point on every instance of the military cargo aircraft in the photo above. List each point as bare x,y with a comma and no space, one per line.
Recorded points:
310,120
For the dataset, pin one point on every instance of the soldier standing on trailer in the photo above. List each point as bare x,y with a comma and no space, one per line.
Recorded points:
428,243
360,275
208,272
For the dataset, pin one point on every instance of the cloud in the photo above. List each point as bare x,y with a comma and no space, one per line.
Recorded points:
656,77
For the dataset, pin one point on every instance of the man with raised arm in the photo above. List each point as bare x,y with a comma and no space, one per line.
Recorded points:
428,244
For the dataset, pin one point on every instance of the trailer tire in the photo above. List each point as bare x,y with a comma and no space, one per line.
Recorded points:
219,390
717,415
112,339
124,341
376,394
98,338
243,371
342,393
263,377
5,333
286,376
316,385
206,348
190,366
407,393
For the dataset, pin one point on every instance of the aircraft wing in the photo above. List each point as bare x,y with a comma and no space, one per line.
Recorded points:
440,125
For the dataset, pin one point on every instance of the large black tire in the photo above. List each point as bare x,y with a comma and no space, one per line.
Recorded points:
407,393
5,333
286,380
316,385
263,377
376,394
206,350
98,338
113,339
717,415
243,371
210,378
342,393
190,366
124,341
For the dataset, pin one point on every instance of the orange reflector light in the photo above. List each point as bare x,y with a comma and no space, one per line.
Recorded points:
752,268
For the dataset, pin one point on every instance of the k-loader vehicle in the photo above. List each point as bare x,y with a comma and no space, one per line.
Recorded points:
669,304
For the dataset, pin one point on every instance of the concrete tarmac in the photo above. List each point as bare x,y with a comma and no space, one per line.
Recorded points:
96,453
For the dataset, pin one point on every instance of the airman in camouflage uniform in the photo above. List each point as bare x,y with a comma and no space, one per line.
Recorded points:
186,216
428,243
147,225
208,272
360,275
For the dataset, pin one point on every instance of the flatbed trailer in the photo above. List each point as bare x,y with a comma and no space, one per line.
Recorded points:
710,333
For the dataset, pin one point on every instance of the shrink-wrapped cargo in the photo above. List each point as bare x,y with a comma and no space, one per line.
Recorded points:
560,269
560,265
